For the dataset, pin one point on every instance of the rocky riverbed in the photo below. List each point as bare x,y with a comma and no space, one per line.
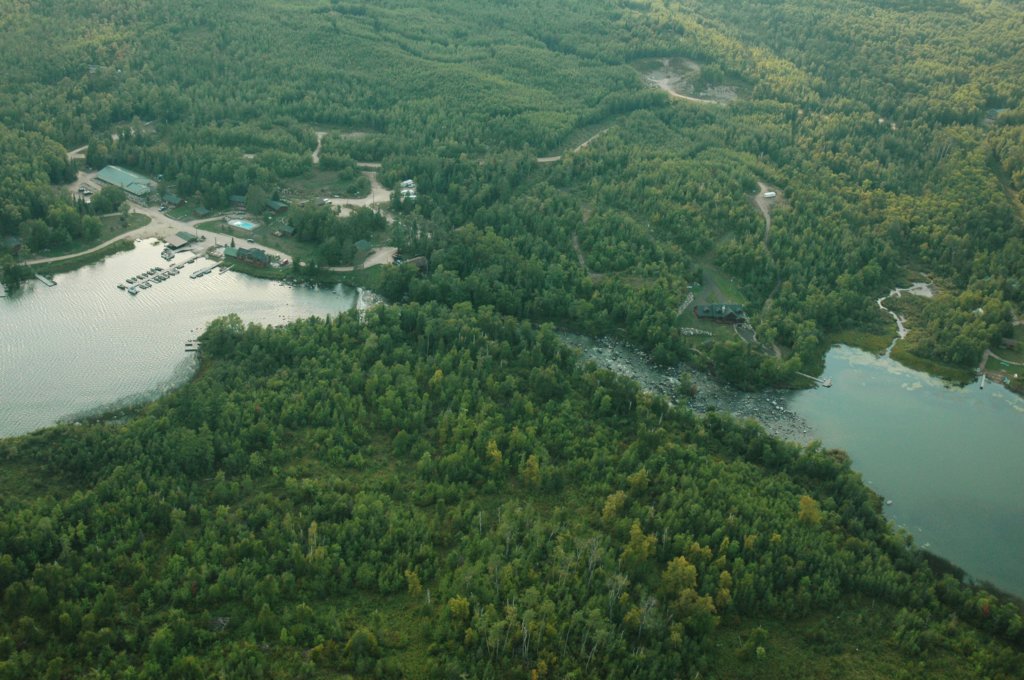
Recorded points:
767,407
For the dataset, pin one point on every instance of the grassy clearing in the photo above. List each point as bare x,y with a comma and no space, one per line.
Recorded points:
954,374
718,287
876,343
274,273
182,213
1013,353
853,641
73,263
719,331
296,249
212,225
369,278
111,229
25,479
113,223
322,183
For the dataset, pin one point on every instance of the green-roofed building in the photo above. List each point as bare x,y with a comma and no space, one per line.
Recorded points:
363,246
138,188
254,256
277,206
230,251
721,313
187,237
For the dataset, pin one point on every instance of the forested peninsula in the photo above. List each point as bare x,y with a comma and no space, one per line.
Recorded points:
439,487
435,492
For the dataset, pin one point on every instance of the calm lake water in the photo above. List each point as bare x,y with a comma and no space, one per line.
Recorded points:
950,459
84,346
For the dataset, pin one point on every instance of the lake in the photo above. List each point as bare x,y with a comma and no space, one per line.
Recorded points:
950,459
83,346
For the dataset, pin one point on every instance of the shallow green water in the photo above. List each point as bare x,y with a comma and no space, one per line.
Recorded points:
950,459
83,346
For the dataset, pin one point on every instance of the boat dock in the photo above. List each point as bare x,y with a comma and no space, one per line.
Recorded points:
823,382
156,275
47,281
203,272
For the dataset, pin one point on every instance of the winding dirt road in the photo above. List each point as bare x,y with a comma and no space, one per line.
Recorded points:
319,145
668,82
765,205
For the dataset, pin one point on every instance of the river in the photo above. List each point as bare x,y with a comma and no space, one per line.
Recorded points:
83,346
950,459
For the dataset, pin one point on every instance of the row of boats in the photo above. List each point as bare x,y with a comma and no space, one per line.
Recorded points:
152,276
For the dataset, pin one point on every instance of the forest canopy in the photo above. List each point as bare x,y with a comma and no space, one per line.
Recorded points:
441,487
892,129
431,492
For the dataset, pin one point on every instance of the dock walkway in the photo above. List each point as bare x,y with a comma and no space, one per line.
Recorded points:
824,382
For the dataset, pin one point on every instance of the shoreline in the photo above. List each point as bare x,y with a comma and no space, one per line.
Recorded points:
767,407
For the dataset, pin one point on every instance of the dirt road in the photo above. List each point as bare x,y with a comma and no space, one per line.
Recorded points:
580,147
765,205
160,226
378,196
670,82
78,154
319,145
579,253
383,255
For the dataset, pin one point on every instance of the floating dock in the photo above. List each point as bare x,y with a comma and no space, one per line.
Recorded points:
47,281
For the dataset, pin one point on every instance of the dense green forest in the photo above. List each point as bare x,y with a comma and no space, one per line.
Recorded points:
893,130
440,489
448,492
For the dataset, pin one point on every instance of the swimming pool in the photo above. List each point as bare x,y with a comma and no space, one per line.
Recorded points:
242,224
